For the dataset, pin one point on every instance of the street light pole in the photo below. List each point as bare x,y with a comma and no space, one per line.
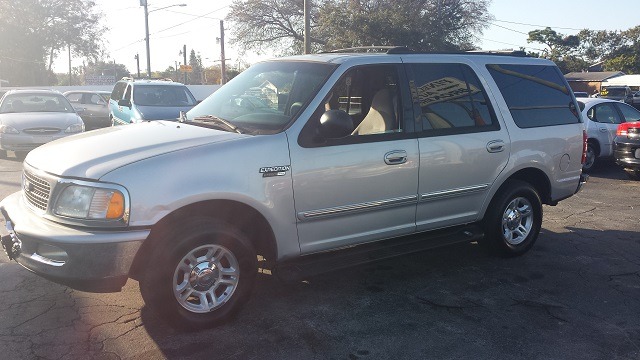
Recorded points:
146,29
146,38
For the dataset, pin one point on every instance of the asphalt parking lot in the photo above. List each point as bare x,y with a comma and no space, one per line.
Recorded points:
575,295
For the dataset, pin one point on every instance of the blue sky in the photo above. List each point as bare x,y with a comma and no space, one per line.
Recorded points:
197,26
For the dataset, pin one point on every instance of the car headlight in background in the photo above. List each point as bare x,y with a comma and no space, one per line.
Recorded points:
75,128
91,203
6,129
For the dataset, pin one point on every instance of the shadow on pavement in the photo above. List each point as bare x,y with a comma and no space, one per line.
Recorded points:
576,294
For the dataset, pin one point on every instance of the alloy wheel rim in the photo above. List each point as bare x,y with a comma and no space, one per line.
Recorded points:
206,278
590,158
517,221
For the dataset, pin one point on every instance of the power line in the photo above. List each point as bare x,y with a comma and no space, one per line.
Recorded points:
194,19
506,28
542,26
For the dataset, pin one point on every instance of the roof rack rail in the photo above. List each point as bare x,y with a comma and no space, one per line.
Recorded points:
518,53
408,50
371,49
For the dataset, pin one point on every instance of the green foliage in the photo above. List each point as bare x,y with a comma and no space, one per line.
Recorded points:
429,25
195,77
35,31
559,45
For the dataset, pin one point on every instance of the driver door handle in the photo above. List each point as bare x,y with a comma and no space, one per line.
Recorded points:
495,146
395,157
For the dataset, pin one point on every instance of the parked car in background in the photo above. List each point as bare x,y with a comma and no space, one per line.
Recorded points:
626,148
30,118
617,92
134,101
580,94
602,117
92,106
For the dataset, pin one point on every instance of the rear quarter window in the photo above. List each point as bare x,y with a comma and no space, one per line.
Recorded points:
536,95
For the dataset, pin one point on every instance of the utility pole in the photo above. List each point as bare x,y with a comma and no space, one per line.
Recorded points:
138,64
223,68
146,30
69,45
307,27
184,52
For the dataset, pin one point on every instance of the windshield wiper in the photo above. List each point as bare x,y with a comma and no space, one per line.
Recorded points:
219,123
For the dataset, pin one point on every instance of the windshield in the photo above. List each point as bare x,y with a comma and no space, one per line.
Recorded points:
264,98
35,102
162,95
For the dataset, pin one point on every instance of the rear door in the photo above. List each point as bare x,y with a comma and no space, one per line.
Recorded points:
606,118
463,147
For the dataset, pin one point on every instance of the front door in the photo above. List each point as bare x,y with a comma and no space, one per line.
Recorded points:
361,187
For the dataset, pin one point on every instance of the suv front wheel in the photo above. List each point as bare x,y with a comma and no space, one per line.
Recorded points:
513,220
199,274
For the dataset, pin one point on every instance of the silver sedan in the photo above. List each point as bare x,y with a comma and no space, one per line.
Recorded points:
30,118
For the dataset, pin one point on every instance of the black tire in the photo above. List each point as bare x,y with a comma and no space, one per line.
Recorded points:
590,161
515,210
634,174
198,236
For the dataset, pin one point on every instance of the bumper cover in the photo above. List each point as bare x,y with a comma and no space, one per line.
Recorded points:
83,259
627,152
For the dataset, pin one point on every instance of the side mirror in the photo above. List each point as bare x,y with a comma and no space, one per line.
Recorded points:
124,102
335,124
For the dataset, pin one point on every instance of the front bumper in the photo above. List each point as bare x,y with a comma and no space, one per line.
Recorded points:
25,142
81,258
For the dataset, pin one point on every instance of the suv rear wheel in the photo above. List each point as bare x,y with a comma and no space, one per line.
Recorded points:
200,274
513,220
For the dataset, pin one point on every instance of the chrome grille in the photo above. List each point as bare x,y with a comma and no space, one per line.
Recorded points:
36,190
41,131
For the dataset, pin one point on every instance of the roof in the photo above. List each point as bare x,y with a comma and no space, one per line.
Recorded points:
628,80
592,76
34,91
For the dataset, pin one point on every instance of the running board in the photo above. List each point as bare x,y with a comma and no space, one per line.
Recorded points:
314,264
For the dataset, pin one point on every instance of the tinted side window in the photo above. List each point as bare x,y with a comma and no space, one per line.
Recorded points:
118,91
127,93
629,113
604,113
451,99
535,94
368,95
74,98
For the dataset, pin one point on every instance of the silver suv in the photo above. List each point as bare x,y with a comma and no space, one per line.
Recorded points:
348,158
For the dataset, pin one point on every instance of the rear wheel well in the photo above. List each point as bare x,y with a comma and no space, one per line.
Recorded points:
244,217
538,179
595,144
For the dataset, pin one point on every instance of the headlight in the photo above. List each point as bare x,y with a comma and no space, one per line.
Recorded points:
75,128
91,203
6,129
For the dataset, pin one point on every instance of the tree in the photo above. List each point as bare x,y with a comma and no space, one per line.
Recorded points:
195,76
619,50
35,31
432,25
558,44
